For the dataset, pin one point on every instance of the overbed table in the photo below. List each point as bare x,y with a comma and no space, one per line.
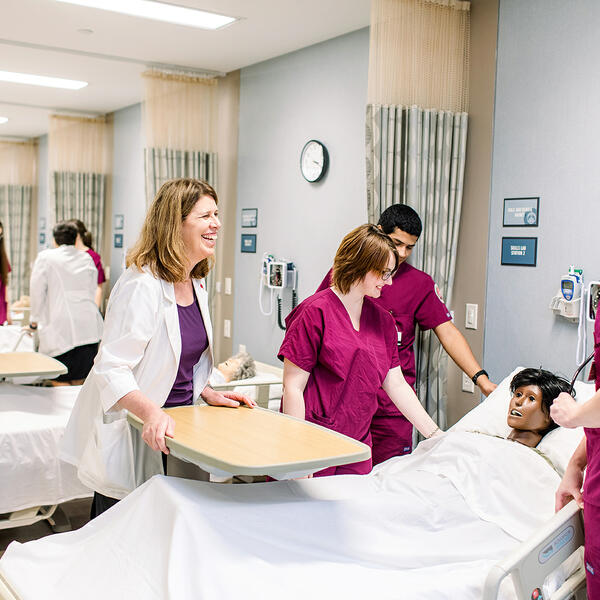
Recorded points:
257,441
29,364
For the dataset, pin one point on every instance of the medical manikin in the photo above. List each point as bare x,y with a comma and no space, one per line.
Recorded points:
238,366
533,391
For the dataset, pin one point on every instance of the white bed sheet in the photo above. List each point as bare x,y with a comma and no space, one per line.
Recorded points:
9,336
421,527
32,422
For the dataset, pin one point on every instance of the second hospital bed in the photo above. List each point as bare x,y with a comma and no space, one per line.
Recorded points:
439,523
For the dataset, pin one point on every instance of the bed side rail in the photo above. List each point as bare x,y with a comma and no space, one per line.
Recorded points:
534,559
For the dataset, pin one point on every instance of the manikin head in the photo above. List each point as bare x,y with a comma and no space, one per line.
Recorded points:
533,391
239,366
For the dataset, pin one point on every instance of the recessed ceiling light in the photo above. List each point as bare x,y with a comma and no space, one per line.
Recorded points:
159,11
3,120
85,31
55,82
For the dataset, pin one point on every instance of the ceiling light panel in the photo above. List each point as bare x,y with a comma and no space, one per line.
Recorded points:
42,80
159,11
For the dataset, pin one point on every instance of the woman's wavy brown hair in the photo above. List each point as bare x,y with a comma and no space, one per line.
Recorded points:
160,245
364,249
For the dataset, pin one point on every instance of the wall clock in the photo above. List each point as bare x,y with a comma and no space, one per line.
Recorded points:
314,160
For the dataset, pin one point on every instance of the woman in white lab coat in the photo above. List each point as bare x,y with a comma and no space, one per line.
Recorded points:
156,349
62,288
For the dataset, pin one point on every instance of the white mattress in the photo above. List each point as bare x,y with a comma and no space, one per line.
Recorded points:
32,422
423,527
9,336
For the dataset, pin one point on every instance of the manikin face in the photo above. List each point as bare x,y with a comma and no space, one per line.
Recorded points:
374,281
199,230
405,242
525,411
229,368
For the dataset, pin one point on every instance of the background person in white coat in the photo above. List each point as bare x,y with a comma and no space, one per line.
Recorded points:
156,350
62,289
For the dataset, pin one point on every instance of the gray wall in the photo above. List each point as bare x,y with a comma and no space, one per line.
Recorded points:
545,144
127,182
318,92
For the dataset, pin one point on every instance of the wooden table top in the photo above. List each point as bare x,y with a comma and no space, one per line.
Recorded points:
29,364
257,441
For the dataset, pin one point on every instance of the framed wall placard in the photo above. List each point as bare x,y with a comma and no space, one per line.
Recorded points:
248,242
521,212
118,240
520,252
119,222
249,217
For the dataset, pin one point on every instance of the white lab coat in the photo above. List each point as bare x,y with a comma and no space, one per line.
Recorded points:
62,289
140,349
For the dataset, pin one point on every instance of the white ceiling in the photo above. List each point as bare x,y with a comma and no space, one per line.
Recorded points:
42,37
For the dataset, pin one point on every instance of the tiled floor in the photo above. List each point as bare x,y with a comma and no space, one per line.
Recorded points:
78,512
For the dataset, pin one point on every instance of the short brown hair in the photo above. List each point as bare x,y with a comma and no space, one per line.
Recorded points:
160,245
364,249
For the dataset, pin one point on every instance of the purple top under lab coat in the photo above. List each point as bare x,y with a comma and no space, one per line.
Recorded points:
347,367
194,342
591,486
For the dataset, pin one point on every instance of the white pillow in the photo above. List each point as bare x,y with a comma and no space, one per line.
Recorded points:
490,417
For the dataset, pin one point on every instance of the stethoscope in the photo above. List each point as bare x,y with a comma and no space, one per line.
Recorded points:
398,332
579,369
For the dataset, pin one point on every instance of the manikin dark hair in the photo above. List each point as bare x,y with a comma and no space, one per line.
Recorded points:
550,384
403,217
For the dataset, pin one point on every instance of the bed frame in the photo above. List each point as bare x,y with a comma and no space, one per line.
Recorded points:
542,553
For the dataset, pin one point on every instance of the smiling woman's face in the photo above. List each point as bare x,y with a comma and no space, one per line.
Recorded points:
526,411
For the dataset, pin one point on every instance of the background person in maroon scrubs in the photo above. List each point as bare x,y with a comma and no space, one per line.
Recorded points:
566,412
412,299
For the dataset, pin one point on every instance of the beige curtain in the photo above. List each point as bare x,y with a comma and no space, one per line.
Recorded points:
419,53
180,116
416,132
18,210
79,161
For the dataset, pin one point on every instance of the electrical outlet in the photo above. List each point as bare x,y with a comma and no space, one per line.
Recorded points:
467,384
227,328
242,348
218,287
228,286
471,316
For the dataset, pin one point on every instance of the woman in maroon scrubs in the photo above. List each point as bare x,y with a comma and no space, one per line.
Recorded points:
566,412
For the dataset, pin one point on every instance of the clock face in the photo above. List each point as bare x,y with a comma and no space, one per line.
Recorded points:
314,161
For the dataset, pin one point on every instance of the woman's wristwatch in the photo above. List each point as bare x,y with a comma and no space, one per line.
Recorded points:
475,377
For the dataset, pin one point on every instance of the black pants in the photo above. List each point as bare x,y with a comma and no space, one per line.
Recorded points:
102,503
79,362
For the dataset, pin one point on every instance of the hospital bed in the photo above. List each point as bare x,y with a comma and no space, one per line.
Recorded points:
468,515
33,481
264,387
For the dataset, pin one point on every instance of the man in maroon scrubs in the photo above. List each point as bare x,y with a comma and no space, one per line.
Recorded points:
413,298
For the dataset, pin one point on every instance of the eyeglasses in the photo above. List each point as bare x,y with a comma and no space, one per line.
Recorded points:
386,274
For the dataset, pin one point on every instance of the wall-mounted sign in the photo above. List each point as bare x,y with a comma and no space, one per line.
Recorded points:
521,212
42,238
42,223
118,240
519,251
248,242
119,222
249,217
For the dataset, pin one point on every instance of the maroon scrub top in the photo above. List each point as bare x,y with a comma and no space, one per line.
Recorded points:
413,298
98,262
591,487
347,367
3,304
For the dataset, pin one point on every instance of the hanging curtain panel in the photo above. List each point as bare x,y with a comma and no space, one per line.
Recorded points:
80,196
417,157
15,211
163,164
